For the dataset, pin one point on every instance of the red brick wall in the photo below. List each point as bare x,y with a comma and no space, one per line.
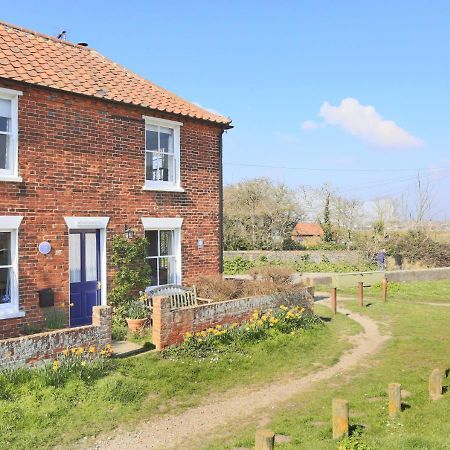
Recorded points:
170,326
85,157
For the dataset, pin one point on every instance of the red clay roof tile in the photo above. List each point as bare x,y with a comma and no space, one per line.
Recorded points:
61,65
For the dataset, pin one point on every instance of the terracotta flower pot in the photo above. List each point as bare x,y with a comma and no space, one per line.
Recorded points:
136,324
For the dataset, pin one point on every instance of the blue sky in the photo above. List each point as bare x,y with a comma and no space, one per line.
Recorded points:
345,68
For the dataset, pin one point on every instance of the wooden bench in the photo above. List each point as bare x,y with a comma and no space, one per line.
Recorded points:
180,296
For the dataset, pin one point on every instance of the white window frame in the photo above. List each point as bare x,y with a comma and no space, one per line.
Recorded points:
168,186
11,224
168,224
12,174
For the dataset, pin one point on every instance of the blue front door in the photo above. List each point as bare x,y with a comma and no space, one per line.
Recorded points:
84,267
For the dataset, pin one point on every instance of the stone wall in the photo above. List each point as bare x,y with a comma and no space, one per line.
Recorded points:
171,325
31,349
349,256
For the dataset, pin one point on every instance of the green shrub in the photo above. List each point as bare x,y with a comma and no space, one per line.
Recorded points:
55,319
132,274
237,265
137,310
118,331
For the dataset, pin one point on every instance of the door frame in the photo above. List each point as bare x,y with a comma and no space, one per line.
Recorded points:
92,223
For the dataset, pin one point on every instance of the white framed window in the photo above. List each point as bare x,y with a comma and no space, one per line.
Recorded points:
164,250
162,155
9,139
9,272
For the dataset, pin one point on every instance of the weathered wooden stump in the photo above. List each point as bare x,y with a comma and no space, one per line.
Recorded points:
384,289
340,418
264,440
361,293
435,383
334,300
395,399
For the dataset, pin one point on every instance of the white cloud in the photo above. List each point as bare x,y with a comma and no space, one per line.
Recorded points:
309,125
367,124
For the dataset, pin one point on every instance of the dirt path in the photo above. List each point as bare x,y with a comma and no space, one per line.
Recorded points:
173,431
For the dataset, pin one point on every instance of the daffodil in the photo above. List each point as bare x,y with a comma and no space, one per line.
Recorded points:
55,366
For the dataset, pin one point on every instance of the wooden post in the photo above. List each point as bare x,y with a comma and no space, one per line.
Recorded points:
435,384
334,300
395,399
340,418
361,293
264,440
384,289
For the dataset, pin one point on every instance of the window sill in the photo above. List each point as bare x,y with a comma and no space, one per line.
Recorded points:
162,188
11,314
10,178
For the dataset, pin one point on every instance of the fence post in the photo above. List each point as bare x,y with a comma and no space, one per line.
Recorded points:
340,418
395,399
264,440
334,300
361,293
384,289
435,384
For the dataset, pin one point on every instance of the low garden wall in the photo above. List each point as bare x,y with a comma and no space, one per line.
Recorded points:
171,325
31,349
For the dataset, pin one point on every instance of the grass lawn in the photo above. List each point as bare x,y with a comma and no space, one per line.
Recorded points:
430,291
35,415
420,342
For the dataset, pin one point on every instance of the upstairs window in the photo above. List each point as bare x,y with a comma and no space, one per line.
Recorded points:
9,135
162,154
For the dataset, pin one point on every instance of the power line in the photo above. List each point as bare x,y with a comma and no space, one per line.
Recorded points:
337,169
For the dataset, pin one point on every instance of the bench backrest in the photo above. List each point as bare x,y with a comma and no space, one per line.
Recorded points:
180,296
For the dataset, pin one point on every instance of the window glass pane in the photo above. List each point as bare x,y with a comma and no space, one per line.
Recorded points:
90,252
5,249
5,124
167,168
164,271
150,169
6,276
165,242
166,140
4,151
75,257
152,238
154,273
151,139
5,108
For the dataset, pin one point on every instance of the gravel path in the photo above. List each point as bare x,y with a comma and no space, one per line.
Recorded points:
174,431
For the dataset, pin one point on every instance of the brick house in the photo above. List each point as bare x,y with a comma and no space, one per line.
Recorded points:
307,233
89,150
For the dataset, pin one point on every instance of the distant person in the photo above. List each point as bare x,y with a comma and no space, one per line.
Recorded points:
381,260
398,261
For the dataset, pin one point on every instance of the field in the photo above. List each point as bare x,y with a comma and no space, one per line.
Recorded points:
419,342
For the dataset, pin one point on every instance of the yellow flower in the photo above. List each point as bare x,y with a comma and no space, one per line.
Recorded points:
65,352
188,335
234,325
80,350
55,365
219,326
74,350
284,308
92,349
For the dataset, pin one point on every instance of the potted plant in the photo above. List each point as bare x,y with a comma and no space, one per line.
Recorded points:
137,315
